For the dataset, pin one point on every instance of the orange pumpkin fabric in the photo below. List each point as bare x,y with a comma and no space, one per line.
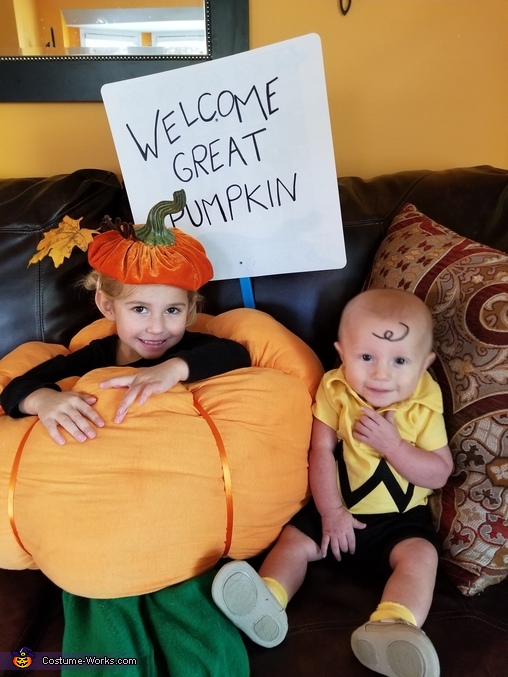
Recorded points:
152,253
183,264
144,505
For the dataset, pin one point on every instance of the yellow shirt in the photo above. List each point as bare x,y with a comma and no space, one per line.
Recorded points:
419,420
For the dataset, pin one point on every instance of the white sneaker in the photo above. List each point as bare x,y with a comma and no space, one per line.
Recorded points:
395,649
242,595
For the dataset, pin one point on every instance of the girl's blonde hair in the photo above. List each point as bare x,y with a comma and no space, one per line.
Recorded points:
115,290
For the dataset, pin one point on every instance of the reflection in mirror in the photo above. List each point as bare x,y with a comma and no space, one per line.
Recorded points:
35,28
80,76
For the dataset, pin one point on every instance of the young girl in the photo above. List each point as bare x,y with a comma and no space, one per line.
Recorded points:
146,280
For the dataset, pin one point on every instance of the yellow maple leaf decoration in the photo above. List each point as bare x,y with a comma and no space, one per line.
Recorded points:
59,242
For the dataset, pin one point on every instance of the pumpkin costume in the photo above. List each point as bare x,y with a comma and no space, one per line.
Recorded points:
209,469
215,467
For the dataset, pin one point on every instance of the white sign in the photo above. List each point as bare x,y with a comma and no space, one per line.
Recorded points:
248,138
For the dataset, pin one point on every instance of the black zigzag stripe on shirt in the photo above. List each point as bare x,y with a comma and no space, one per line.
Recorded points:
382,474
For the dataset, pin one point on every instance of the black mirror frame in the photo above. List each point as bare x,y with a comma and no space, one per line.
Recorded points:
59,79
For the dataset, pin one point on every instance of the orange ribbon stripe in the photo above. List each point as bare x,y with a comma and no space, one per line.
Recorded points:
12,485
226,474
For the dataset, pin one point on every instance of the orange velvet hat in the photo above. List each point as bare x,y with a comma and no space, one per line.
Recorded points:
151,253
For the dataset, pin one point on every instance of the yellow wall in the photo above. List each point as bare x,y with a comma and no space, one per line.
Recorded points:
411,84
8,29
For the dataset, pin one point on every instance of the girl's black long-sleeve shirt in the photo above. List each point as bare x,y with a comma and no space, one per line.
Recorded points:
205,355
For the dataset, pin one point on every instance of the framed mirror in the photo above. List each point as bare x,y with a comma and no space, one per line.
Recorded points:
43,58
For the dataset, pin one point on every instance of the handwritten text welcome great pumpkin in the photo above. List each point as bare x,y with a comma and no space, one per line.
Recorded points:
249,113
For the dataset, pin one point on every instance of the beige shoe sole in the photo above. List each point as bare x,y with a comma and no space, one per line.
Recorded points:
395,649
242,596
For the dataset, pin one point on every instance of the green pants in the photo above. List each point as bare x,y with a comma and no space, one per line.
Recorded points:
175,632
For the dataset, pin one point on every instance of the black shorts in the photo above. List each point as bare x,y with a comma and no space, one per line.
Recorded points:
380,536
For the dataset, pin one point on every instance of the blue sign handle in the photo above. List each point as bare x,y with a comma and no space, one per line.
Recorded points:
247,292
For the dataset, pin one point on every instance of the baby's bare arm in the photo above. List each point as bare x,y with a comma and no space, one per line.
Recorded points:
337,522
71,410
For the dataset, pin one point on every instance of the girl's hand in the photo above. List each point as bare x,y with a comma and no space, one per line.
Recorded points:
147,381
378,431
71,410
339,532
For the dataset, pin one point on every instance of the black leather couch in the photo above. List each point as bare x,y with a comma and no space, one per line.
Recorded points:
39,303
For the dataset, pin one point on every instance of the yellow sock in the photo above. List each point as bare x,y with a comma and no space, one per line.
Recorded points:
387,610
277,590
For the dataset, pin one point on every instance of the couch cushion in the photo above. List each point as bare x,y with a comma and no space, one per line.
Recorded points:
39,302
466,285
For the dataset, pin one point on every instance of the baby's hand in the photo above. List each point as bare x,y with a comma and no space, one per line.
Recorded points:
71,410
379,431
147,381
339,532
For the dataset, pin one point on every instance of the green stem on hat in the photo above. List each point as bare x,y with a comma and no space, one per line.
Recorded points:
154,232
